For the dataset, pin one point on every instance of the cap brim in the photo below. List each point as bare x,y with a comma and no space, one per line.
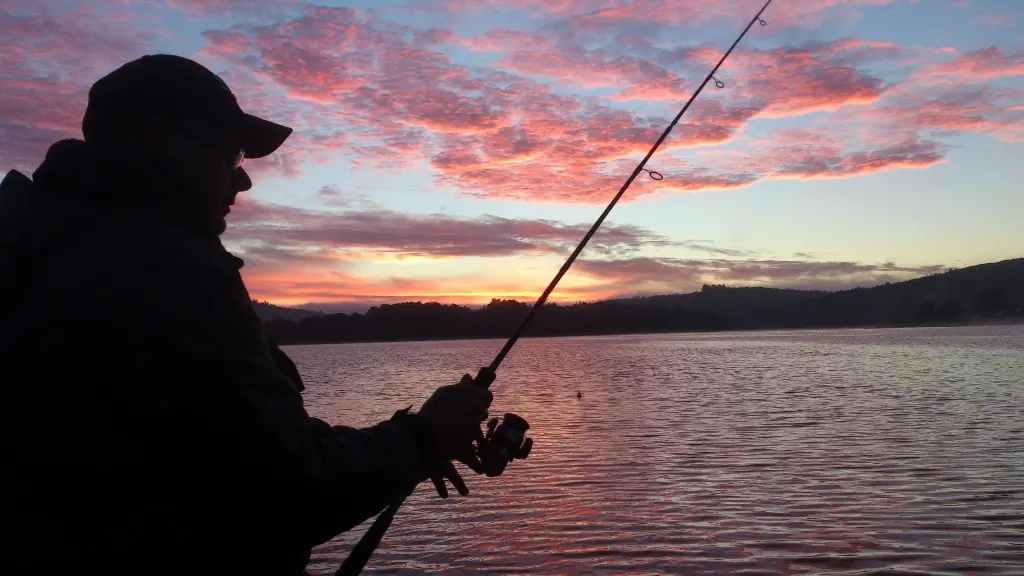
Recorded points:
259,137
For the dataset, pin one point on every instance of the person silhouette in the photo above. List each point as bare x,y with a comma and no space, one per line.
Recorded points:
149,424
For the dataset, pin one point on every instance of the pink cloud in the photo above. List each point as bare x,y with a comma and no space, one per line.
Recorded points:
596,15
372,82
654,275
380,94
665,89
502,40
794,81
802,155
263,229
387,99
567,158
953,108
984,64
997,19
575,66
490,133
230,7
48,60
448,112
781,82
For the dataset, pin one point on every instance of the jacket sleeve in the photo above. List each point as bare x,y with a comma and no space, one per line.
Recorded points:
402,419
322,479
285,364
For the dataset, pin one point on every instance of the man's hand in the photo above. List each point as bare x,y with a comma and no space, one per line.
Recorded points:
455,413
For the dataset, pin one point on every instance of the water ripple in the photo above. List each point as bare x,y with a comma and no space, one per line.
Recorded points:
840,452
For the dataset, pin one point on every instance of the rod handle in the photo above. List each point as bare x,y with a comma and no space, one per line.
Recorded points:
485,377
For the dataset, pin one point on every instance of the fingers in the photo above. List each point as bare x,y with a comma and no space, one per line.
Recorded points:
454,413
479,399
456,479
481,402
486,397
439,485
476,463
483,445
447,470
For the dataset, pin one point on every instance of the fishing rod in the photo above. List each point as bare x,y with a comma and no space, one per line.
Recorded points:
508,441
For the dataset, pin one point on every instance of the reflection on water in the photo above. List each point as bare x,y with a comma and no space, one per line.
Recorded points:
853,451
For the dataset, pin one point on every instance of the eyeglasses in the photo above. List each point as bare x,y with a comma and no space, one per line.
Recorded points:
235,155
239,158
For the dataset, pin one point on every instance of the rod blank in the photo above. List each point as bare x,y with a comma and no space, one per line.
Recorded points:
357,559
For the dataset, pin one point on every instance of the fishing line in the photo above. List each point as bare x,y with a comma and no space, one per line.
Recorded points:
362,551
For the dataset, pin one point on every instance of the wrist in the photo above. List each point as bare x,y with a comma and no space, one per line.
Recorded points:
423,434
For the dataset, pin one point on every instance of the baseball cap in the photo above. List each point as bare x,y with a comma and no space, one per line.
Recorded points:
181,88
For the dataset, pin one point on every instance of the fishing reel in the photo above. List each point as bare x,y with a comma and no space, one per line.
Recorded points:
505,443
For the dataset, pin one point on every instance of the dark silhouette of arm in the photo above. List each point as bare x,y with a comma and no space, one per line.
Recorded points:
317,479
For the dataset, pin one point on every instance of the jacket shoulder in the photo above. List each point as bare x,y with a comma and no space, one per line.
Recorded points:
14,181
15,191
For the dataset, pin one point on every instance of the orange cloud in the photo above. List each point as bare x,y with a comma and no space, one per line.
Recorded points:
295,257
295,286
590,280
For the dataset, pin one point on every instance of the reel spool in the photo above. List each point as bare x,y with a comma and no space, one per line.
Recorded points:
506,442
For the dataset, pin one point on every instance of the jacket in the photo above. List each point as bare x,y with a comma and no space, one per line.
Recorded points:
147,426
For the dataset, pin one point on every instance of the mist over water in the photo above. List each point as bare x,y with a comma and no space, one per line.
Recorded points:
897,451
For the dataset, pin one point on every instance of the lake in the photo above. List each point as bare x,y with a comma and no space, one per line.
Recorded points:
890,451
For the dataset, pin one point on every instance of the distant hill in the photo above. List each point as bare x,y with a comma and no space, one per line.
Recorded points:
267,311
960,293
721,299
984,292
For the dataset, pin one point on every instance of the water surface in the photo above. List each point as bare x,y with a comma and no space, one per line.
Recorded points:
897,451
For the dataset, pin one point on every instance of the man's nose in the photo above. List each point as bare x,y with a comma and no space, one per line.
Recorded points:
240,181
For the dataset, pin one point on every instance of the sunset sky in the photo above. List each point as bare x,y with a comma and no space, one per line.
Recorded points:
457,150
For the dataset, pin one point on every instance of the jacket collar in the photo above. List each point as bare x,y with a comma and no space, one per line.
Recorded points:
125,185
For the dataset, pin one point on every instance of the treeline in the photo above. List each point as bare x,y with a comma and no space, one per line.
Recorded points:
986,305
431,320
978,293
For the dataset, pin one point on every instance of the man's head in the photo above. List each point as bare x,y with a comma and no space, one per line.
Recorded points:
176,111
